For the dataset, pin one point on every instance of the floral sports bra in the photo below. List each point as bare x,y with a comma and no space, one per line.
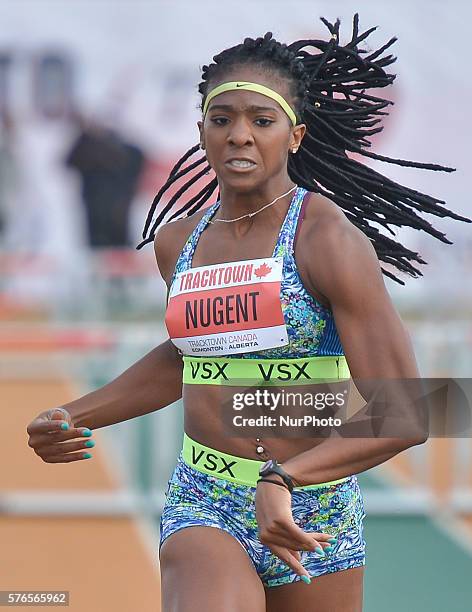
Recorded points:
308,326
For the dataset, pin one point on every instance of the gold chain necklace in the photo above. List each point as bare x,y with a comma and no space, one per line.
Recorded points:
254,213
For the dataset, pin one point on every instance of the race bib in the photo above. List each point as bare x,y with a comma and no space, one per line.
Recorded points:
227,308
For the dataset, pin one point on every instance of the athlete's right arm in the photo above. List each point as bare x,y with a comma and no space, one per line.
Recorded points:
153,382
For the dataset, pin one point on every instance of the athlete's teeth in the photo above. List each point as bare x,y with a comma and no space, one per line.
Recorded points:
241,163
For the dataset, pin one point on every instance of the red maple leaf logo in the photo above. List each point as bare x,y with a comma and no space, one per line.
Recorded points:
262,270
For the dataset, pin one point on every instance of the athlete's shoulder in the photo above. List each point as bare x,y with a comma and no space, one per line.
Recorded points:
170,240
333,250
321,212
326,225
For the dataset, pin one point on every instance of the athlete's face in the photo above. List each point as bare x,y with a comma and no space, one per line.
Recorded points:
245,125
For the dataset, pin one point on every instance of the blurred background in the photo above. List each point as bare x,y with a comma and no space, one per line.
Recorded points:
98,100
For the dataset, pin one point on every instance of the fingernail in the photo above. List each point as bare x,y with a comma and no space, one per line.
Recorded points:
89,443
87,432
319,550
87,456
306,579
64,426
333,540
328,549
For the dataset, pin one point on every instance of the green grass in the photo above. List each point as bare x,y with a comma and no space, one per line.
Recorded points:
412,565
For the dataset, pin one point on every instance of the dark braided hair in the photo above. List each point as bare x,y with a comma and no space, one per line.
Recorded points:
329,92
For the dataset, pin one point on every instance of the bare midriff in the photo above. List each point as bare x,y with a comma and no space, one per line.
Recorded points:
204,422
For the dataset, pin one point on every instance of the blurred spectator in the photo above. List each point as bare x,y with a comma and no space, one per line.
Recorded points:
8,173
109,168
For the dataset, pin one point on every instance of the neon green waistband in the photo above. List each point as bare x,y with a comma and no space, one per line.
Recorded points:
264,372
229,467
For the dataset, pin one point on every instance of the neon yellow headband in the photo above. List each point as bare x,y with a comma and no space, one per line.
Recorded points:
262,89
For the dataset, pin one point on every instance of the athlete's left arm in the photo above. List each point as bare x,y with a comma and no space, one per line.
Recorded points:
345,269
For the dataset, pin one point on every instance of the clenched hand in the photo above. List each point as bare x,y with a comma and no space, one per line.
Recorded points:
54,438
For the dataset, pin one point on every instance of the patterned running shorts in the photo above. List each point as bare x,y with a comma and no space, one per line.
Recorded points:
196,498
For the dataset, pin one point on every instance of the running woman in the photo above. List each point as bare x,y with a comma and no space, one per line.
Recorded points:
254,523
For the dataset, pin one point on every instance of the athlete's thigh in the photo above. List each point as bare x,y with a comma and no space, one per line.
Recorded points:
206,569
336,592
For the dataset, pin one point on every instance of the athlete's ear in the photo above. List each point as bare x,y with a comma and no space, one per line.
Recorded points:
297,137
200,129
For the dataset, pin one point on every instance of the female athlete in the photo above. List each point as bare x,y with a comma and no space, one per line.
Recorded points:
277,281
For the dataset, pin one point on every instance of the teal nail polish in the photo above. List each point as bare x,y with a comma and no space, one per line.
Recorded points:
87,456
328,549
89,443
319,550
87,433
64,426
306,579
333,540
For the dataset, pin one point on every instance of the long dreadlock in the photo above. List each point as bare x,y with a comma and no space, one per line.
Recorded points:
334,126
